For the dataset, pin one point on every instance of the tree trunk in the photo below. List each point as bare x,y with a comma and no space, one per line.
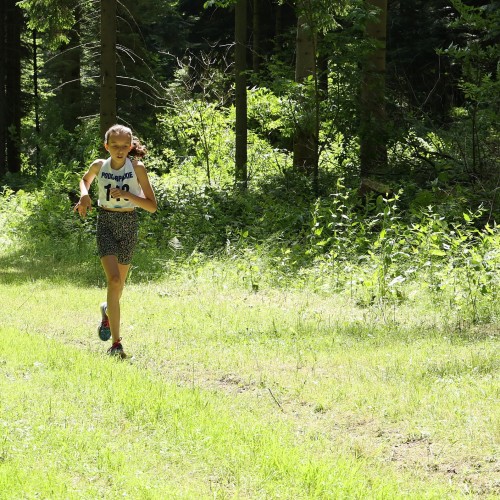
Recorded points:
72,88
13,108
36,98
256,36
278,21
241,173
305,144
323,60
108,65
66,70
373,120
3,55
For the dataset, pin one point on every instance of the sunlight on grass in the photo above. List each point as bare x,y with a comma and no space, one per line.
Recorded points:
77,424
236,394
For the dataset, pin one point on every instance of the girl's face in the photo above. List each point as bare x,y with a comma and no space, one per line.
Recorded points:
118,146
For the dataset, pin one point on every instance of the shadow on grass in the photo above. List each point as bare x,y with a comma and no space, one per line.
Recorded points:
67,265
191,219
24,264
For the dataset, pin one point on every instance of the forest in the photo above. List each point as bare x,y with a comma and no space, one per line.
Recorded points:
313,310
314,132
307,131
397,94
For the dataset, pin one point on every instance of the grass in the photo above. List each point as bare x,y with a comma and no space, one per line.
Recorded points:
280,393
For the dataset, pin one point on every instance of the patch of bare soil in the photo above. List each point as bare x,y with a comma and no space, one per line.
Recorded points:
419,454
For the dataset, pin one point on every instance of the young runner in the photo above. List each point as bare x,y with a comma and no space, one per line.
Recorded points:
123,185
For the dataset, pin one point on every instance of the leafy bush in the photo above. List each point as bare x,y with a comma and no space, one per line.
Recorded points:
45,216
378,253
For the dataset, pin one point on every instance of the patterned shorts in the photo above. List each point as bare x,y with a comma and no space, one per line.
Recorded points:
117,234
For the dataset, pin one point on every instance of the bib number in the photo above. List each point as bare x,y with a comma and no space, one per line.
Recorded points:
108,188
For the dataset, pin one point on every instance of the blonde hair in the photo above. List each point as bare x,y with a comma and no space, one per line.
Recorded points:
138,149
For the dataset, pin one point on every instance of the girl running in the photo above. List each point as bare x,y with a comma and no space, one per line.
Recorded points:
123,185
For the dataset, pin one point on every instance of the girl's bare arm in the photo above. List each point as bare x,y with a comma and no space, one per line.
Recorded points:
148,202
85,202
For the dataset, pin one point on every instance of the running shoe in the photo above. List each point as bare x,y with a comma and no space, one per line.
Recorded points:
117,350
103,330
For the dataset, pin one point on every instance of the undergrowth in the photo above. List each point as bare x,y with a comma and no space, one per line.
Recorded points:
381,250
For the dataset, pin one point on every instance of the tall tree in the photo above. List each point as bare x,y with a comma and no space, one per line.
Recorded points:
256,35
13,108
241,173
36,100
478,51
64,68
3,55
72,87
373,120
417,31
305,143
108,65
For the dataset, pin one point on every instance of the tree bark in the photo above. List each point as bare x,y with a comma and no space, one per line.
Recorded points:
323,60
36,98
278,21
13,108
108,65
241,172
373,120
3,55
72,88
256,36
305,144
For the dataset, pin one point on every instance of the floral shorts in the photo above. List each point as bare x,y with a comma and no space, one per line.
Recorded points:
117,234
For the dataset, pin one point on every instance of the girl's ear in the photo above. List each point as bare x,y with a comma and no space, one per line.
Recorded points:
106,147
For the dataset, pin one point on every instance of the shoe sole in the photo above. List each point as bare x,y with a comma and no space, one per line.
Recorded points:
104,333
119,355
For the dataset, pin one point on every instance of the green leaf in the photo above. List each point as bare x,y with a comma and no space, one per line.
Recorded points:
322,242
396,280
437,252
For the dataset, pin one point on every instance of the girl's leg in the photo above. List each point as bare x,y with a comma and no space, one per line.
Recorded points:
123,269
116,274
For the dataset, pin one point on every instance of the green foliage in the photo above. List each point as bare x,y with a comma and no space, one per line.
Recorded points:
478,53
197,126
452,259
44,218
56,24
265,115
380,252
201,135
13,209
219,3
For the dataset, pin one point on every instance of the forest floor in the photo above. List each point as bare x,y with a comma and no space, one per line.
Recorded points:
234,393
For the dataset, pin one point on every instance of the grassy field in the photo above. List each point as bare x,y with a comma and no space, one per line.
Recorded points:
280,393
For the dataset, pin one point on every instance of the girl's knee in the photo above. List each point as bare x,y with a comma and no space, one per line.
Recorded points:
115,281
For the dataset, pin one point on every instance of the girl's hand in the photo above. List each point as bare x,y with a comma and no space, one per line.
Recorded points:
119,193
83,205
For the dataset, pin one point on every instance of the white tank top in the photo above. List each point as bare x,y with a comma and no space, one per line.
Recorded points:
125,178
